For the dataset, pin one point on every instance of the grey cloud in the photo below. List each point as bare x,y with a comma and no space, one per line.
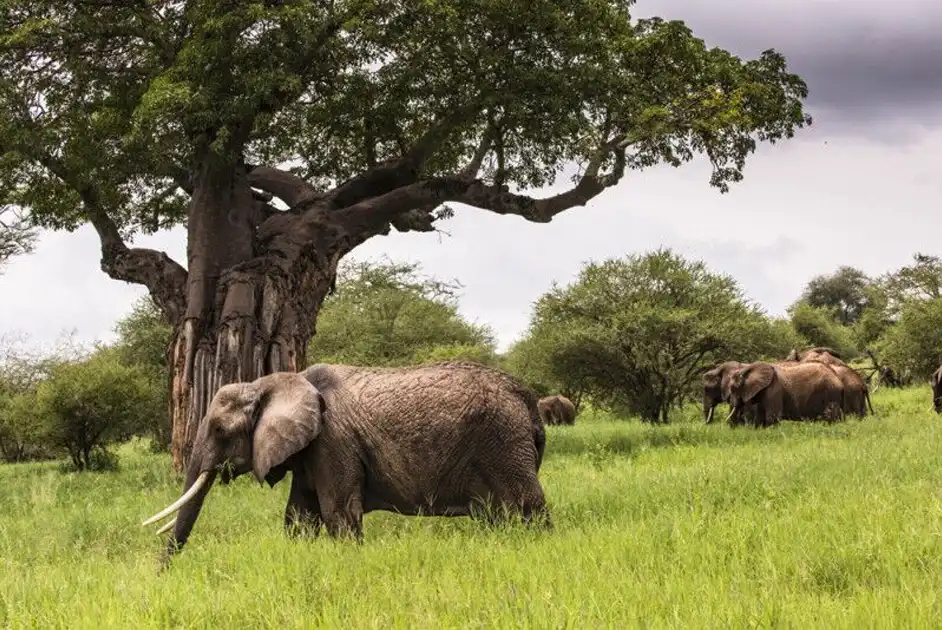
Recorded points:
872,67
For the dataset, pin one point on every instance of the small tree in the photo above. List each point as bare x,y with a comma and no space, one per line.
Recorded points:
144,342
818,326
540,359
843,294
390,314
21,372
90,404
922,280
913,346
639,331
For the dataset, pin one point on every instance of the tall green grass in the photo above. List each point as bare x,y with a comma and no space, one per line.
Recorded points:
686,526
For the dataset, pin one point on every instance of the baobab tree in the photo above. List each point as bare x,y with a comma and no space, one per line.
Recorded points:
284,134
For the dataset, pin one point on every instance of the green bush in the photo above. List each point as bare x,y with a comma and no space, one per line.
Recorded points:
84,406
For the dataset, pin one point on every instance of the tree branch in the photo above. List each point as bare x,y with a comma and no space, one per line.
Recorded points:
404,170
372,215
163,277
288,187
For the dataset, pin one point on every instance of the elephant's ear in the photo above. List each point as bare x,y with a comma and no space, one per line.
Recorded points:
289,416
757,378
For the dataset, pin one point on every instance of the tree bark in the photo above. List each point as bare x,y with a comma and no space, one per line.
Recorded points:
253,294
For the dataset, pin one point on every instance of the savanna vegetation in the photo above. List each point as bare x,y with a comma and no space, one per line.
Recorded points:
283,135
688,525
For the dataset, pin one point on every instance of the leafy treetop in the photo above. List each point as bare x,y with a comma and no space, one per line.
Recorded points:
110,107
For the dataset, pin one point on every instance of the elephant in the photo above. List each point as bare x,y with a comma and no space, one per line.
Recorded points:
787,392
556,410
716,387
856,392
442,439
936,381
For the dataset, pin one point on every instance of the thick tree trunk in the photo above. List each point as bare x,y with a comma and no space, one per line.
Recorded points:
251,299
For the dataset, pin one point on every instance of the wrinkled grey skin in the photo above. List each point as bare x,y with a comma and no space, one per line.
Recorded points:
936,382
856,393
808,390
556,410
442,439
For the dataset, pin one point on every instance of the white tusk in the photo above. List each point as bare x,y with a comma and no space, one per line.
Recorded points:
730,415
167,527
710,415
179,503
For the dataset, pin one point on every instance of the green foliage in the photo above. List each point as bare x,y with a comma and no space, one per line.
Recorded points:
636,333
914,344
143,342
803,525
389,314
21,372
144,337
843,293
126,94
818,326
85,406
921,280
876,318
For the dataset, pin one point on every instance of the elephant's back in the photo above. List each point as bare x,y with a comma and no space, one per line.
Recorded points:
448,394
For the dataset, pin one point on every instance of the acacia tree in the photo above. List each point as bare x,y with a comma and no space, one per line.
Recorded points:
284,134
636,333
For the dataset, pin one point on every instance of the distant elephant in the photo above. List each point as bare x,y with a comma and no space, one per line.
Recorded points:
936,382
716,387
793,391
443,439
856,392
556,410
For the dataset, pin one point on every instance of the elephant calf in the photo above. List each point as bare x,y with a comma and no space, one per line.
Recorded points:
444,439
556,410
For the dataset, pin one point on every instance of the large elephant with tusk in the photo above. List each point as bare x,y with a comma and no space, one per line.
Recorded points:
716,383
443,439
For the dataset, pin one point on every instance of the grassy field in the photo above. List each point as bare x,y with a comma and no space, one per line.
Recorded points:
686,526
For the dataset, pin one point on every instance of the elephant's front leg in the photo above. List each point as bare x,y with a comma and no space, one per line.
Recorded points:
303,512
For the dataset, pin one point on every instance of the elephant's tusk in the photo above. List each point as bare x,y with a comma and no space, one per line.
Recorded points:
710,416
167,527
730,415
179,503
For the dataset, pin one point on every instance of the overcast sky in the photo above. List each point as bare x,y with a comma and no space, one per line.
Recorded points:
861,187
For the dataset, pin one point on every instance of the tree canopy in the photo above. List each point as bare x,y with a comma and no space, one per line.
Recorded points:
844,293
110,104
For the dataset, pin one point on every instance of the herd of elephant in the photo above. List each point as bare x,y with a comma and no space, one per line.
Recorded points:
444,439
815,384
